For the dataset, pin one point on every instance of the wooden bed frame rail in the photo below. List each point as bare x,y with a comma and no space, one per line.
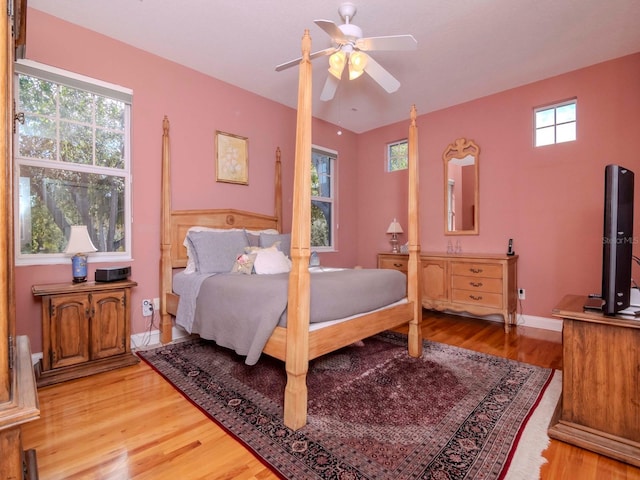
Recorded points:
296,344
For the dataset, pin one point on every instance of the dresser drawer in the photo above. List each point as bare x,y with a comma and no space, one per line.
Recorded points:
393,263
470,297
480,284
489,270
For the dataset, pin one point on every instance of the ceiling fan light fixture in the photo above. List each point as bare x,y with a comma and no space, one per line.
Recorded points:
357,64
336,64
354,73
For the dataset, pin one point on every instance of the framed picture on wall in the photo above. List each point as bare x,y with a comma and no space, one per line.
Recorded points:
232,158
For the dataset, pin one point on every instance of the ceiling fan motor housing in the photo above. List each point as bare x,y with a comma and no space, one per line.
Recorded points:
351,31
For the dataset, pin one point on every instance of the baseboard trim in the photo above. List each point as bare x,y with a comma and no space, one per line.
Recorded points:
553,324
543,323
152,338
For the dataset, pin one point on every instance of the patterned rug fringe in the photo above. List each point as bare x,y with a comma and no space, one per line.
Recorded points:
527,459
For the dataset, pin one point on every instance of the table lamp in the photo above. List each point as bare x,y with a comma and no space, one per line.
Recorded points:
394,229
79,246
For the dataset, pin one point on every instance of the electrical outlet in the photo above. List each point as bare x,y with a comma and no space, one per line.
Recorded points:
521,295
156,303
147,308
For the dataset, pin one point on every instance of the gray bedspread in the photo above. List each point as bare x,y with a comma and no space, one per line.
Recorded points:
241,311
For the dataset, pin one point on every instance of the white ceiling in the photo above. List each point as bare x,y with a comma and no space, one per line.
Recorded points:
466,48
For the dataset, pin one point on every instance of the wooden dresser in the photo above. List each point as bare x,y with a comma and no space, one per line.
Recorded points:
479,284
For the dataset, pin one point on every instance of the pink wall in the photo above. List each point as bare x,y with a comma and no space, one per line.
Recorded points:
197,106
548,199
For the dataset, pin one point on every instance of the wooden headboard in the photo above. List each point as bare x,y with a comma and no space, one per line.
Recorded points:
183,220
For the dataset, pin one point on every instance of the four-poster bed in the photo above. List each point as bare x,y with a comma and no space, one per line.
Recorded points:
297,343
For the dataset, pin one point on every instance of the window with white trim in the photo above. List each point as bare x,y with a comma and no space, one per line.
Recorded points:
72,164
555,123
398,155
322,198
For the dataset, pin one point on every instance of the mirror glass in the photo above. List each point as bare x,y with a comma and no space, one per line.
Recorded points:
461,188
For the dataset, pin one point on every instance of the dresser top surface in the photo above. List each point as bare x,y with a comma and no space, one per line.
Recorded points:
459,256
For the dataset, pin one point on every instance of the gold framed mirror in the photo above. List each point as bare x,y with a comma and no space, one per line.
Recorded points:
461,188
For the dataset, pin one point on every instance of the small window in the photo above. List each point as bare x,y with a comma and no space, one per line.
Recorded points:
397,155
555,123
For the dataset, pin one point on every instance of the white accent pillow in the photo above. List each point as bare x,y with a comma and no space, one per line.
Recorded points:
270,261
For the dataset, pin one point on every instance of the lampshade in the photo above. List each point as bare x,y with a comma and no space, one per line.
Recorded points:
357,64
79,241
394,227
336,64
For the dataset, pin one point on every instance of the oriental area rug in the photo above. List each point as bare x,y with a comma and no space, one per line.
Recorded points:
376,413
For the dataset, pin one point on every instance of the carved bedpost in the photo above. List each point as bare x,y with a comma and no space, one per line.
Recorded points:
165,237
297,351
414,269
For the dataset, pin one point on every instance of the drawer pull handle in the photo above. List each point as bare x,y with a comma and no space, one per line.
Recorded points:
475,270
475,284
473,297
397,265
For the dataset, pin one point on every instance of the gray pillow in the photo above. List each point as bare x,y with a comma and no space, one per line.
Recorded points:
253,238
216,252
268,239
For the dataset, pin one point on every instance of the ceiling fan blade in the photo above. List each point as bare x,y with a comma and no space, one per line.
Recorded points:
380,75
393,42
332,30
319,53
329,89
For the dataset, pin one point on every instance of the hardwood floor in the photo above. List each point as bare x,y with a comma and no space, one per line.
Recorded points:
130,423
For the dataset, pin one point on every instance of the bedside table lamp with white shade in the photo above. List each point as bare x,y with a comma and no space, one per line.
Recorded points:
79,246
394,229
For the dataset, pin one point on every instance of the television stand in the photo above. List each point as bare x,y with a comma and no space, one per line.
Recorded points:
600,402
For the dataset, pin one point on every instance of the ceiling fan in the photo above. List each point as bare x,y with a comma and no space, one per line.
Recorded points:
349,50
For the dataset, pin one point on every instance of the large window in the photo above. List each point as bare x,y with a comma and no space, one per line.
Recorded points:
322,198
72,164
555,123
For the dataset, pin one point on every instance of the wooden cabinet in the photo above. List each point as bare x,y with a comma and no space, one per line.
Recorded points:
85,329
479,284
18,393
600,404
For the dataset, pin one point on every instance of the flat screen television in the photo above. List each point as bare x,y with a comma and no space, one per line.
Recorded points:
617,239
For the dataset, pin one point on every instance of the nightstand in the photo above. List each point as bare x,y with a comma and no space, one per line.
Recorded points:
85,329
394,261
